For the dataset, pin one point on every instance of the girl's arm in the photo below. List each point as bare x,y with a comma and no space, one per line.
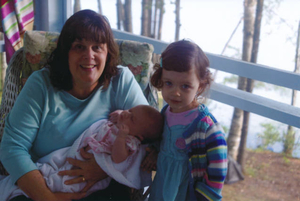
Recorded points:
217,165
120,150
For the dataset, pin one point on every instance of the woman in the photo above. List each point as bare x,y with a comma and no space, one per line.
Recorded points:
82,85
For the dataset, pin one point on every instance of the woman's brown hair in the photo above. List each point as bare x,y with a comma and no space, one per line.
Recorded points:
84,24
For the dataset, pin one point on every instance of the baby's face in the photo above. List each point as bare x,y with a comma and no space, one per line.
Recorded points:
135,119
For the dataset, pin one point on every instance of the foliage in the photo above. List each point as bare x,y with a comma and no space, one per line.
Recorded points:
160,100
250,171
289,141
225,129
260,85
270,135
231,79
286,160
270,12
234,79
235,52
282,90
270,8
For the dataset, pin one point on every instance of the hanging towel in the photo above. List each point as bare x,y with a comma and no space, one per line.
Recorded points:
17,17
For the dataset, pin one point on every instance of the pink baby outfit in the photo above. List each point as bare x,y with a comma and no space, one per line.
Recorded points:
103,139
100,136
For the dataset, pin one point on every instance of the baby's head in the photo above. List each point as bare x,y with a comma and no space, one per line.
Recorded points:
144,122
183,56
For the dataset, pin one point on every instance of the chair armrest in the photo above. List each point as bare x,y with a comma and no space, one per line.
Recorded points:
12,86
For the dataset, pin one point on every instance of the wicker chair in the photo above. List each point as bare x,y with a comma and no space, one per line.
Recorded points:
16,75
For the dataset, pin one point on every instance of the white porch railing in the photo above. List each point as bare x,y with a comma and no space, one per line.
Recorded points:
266,107
246,101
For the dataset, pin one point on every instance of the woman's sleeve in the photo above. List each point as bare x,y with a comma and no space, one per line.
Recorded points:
217,165
128,91
21,127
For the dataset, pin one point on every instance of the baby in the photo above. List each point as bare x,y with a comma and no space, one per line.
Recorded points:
117,146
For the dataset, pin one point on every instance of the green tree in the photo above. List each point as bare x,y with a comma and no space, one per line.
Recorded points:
250,82
237,118
270,135
290,135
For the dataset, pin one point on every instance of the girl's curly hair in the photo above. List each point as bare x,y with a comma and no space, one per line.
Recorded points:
182,56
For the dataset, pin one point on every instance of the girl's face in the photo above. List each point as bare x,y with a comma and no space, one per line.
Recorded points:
179,89
86,63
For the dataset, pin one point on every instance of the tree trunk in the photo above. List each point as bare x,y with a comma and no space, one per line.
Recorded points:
250,82
145,18
177,21
149,8
289,140
153,33
161,15
119,14
77,6
248,29
99,7
234,136
127,16
237,118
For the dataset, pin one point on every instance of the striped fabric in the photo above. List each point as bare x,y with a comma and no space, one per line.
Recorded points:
207,150
17,17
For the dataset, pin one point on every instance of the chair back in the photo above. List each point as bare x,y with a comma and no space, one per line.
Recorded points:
37,48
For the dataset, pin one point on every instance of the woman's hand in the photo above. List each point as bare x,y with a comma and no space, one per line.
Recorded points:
34,185
86,171
149,162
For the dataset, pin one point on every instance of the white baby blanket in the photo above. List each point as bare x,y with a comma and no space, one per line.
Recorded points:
128,172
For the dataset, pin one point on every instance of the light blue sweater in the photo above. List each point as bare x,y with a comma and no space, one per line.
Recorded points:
45,119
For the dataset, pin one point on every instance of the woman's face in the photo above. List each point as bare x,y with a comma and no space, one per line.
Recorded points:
86,63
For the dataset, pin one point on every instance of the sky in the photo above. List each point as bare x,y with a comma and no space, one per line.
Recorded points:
210,23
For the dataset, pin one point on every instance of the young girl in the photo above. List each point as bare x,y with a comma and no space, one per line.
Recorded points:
192,162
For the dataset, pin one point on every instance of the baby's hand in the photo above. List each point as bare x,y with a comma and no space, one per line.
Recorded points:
113,117
123,129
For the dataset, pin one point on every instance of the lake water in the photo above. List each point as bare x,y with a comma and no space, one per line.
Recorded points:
224,113
210,23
